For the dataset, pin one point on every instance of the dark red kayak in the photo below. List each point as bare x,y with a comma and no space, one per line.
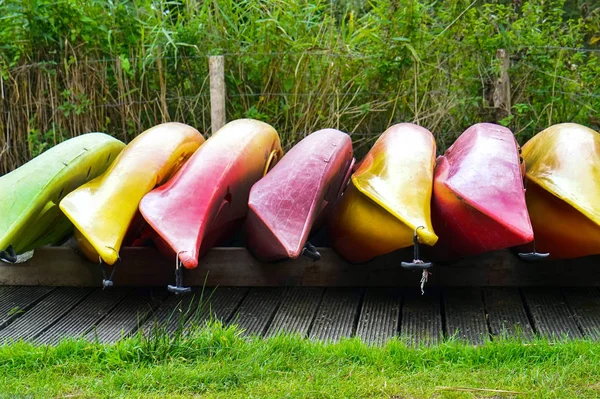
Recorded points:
478,202
296,195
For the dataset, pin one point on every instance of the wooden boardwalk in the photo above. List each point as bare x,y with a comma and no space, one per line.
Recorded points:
48,314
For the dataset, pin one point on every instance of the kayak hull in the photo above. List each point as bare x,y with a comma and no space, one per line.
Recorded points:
103,209
478,200
29,196
388,198
563,190
208,198
295,197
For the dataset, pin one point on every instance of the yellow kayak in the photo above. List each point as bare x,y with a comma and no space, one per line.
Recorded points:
389,196
103,209
563,190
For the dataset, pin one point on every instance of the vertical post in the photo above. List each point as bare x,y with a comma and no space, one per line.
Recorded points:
216,68
502,101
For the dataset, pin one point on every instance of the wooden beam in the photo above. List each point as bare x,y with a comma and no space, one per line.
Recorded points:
62,266
216,68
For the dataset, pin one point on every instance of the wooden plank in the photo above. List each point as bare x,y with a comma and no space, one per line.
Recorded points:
257,309
421,319
336,315
585,304
550,313
506,313
297,311
172,313
465,315
44,314
127,316
216,68
217,304
84,316
16,301
379,316
236,267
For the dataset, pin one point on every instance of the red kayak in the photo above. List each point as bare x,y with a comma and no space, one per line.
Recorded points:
295,197
207,200
478,202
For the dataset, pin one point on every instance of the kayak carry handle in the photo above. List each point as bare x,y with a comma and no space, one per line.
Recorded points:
310,251
533,256
417,263
178,288
9,255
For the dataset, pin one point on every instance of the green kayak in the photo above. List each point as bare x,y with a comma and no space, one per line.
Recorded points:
29,196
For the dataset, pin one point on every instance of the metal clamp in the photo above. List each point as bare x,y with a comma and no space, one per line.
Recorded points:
533,256
417,263
310,251
178,288
9,255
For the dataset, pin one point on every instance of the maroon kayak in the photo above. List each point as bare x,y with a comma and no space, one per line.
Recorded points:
297,194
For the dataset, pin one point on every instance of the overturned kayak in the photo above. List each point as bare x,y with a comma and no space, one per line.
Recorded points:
563,190
388,199
29,195
103,209
297,194
207,199
478,195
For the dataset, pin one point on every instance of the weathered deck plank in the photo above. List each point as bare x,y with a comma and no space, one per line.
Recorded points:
380,315
217,304
421,320
297,311
84,316
585,304
172,313
43,315
465,315
506,313
127,316
337,314
256,311
550,313
17,300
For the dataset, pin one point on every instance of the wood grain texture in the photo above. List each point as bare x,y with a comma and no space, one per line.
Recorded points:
421,320
61,266
297,311
585,305
465,315
506,313
550,314
336,315
379,315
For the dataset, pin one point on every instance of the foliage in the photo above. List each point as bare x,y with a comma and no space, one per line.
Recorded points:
70,66
219,362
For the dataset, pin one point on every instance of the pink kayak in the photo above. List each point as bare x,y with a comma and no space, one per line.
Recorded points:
478,202
296,196
207,200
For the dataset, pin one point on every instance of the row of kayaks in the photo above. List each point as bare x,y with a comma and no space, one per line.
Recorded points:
171,188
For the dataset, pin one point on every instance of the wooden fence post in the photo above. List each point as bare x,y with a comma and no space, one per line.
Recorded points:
501,99
216,68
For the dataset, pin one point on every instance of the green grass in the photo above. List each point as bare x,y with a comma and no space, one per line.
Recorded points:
217,362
